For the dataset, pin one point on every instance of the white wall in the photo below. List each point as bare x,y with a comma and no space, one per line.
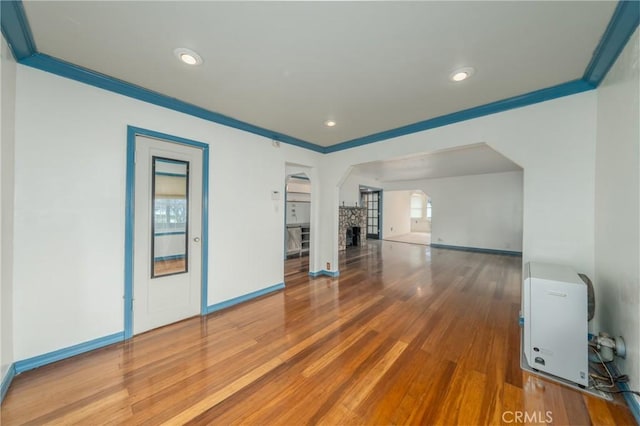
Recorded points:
7,128
553,141
617,207
481,211
70,197
298,212
420,225
396,213
298,208
350,188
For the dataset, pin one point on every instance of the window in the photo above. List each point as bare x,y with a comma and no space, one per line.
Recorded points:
429,209
417,206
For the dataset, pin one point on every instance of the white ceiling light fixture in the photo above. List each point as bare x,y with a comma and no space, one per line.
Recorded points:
461,74
188,56
330,123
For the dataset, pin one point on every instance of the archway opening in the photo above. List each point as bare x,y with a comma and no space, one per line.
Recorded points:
297,230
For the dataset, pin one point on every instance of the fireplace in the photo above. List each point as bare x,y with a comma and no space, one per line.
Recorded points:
352,226
353,236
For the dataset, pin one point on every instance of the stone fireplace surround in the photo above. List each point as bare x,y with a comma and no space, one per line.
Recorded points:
347,218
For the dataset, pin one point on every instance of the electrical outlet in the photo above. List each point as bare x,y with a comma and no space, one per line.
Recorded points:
328,266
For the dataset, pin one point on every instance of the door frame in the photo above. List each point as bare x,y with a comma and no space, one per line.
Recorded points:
132,133
368,190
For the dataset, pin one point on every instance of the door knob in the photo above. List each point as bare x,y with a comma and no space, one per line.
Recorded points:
196,240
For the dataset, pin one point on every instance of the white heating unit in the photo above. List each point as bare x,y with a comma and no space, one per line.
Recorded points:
555,321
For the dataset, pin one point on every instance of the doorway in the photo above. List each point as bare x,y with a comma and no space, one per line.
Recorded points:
420,230
166,238
298,236
372,201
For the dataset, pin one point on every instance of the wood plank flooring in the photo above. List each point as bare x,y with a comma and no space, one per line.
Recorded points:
423,238
406,335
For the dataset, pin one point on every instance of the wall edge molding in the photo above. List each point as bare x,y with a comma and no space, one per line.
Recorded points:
244,298
621,27
68,352
332,274
6,381
477,250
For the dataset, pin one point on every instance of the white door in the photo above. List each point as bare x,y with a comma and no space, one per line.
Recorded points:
167,232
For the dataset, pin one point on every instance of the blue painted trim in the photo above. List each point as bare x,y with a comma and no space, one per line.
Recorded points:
16,30
244,298
74,72
333,274
477,249
138,131
380,215
621,27
48,358
162,234
286,235
171,174
129,219
204,299
6,381
564,89
631,401
173,257
132,132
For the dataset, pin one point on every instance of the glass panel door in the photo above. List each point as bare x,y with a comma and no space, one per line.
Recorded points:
372,201
170,201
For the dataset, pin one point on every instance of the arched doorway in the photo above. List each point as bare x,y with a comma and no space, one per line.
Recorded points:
297,231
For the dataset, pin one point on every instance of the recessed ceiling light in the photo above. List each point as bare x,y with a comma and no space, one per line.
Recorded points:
329,123
461,74
188,56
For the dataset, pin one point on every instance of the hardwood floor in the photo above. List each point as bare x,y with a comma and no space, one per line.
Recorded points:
296,268
406,335
423,238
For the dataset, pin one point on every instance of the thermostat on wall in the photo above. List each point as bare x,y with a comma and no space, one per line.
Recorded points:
275,195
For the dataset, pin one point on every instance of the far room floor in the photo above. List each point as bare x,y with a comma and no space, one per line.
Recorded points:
422,238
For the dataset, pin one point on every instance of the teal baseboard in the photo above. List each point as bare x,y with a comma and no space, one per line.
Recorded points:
6,381
631,400
244,298
477,249
323,272
60,354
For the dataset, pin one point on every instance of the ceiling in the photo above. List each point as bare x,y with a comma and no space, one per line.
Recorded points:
468,160
289,66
